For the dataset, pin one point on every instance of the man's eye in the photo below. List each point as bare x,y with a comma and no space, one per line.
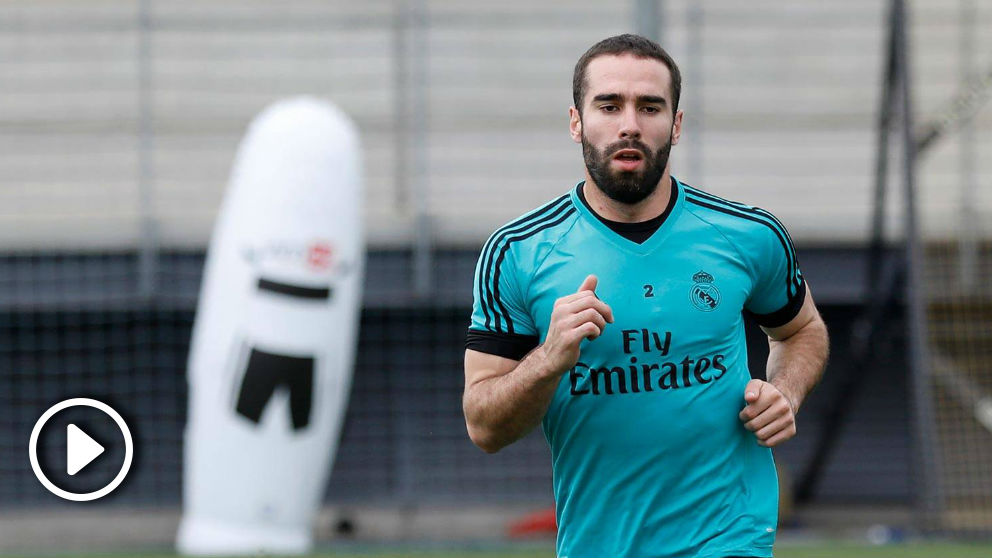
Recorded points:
609,108
650,110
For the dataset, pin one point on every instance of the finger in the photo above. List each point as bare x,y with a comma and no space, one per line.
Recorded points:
562,301
588,330
587,315
581,302
773,412
754,410
753,390
588,284
577,326
778,438
761,421
773,428
765,410
752,396
605,310
574,297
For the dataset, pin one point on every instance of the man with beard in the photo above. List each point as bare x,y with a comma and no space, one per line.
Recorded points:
613,317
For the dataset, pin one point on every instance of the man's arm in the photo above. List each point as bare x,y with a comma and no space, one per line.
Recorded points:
505,399
797,356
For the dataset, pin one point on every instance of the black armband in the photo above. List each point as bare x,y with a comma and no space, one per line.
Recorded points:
785,314
507,345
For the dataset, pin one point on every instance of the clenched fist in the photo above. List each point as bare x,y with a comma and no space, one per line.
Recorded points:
768,413
578,316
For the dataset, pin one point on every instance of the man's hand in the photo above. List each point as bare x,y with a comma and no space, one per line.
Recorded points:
505,399
578,316
769,413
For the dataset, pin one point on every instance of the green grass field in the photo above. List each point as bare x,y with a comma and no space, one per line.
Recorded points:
933,550
888,551
819,550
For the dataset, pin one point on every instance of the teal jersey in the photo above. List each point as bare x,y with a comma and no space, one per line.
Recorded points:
649,456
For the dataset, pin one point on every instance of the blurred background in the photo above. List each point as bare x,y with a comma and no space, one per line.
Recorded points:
119,121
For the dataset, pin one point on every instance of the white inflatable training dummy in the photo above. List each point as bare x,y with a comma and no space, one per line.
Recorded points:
273,343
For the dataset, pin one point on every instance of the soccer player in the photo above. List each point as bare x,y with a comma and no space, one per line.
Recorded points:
613,316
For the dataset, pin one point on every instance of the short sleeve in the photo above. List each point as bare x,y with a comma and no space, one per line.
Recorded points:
779,288
501,323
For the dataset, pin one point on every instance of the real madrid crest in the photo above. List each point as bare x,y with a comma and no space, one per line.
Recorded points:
704,294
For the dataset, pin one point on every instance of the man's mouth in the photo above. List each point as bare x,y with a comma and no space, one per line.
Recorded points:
628,159
628,155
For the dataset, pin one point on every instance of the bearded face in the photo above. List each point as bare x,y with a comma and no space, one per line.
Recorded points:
627,125
627,171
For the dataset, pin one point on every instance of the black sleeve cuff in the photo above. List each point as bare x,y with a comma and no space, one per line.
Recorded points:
506,345
785,314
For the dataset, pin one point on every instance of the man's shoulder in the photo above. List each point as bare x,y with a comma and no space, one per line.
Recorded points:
548,221
732,217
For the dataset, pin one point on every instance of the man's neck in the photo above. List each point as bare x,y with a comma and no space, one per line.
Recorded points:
646,209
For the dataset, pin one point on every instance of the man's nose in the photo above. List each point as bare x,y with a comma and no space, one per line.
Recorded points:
629,128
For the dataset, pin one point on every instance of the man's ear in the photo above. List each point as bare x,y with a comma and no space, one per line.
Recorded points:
575,124
677,128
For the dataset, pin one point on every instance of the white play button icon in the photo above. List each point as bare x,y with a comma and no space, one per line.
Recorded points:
81,450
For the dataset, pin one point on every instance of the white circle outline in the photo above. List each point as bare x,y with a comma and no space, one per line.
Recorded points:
75,496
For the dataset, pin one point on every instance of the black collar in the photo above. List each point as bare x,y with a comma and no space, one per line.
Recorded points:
635,232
